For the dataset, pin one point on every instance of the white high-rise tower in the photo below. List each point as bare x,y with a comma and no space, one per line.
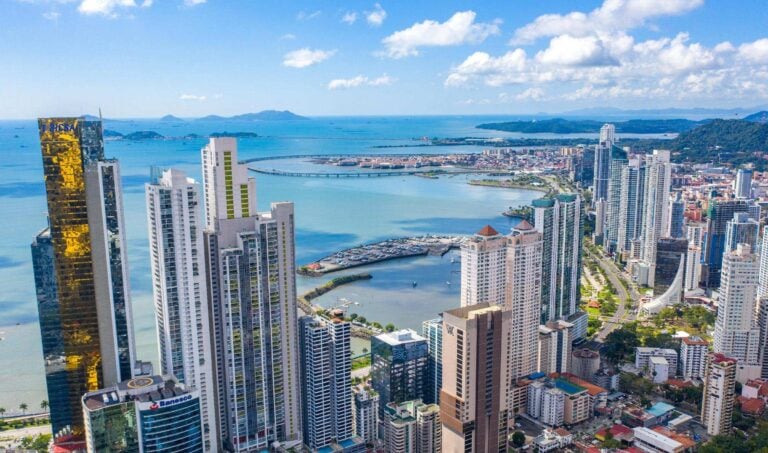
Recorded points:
178,287
252,288
736,333
658,179
483,268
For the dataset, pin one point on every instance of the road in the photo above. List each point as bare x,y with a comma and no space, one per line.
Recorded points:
621,315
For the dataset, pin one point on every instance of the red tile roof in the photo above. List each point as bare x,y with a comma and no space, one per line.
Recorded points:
752,406
487,231
524,225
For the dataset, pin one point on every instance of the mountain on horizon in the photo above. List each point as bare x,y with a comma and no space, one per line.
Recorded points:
171,118
264,115
697,112
759,117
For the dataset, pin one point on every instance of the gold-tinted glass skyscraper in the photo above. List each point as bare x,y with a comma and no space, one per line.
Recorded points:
87,316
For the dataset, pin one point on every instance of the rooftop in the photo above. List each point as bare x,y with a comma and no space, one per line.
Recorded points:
695,341
400,337
142,388
487,231
660,408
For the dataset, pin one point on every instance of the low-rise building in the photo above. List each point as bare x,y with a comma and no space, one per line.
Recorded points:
643,356
564,399
651,441
585,363
553,440
659,368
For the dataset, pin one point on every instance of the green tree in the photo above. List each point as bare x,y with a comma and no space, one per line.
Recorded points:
518,439
23,407
38,443
390,327
362,320
44,405
353,316
2,411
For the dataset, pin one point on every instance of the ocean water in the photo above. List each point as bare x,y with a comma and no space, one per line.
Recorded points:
331,214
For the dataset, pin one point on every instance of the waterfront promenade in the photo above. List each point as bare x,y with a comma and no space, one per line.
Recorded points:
382,251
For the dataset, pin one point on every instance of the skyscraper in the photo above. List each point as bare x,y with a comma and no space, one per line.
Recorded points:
736,333
326,360
743,183
177,255
432,330
657,184
483,268
523,296
554,347
762,281
82,267
676,218
618,163
399,364
631,204
670,265
476,380
719,394
250,263
720,211
560,222
741,229
603,162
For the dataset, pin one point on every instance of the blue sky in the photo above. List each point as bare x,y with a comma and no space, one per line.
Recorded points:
144,58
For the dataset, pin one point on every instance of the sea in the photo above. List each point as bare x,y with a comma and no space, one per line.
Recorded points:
331,214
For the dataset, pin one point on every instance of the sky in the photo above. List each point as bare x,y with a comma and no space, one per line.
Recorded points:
148,58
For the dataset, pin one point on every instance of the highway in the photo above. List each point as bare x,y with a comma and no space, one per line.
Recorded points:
622,315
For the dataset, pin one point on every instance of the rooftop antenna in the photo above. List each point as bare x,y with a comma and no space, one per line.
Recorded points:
100,114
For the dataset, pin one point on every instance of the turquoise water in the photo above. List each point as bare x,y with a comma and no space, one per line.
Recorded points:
330,214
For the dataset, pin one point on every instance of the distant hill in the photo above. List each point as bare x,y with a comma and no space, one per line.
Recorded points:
171,118
724,136
694,112
564,126
112,134
265,115
759,117
143,135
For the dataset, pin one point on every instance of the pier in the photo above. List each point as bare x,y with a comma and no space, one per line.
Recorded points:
382,251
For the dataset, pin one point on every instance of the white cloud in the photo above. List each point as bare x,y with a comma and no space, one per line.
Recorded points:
533,94
193,2
481,64
360,80
350,17
461,28
51,15
305,57
756,51
569,51
288,37
612,15
192,97
104,7
376,17
308,15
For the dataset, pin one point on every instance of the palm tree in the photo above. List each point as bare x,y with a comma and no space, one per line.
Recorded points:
44,405
2,411
23,407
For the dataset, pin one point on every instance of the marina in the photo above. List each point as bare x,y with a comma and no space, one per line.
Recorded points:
436,245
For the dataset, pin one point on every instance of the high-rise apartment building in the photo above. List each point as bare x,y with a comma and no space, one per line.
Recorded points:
554,347
670,267
483,268
366,413
693,357
523,296
560,222
657,183
250,263
719,212
602,171
412,427
177,253
81,270
762,281
743,183
736,333
147,414
741,229
399,366
326,359
476,380
632,200
719,394
432,330
619,162
676,220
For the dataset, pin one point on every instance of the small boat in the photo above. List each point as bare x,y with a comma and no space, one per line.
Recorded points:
414,284
447,283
